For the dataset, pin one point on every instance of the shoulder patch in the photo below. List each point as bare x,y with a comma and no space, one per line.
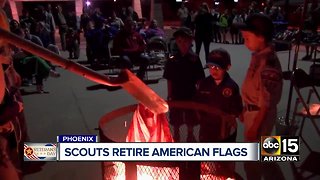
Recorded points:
271,74
271,79
227,92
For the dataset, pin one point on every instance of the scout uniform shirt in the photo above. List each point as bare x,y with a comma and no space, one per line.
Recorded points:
225,97
262,88
184,72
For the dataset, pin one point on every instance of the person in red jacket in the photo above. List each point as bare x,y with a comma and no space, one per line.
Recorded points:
130,45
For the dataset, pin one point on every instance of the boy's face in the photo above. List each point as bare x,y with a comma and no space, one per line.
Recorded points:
216,72
252,41
183,43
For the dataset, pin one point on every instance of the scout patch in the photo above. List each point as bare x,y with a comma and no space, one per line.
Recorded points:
271,74
227,92
271,79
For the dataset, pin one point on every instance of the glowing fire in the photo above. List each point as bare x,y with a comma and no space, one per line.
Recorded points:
213,177
151,173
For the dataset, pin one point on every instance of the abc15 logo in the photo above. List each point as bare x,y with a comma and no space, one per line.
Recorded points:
278,145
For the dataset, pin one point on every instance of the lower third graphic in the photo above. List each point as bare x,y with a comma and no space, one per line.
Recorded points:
40,152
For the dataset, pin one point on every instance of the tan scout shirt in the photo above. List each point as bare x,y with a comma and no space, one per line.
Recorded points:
263,83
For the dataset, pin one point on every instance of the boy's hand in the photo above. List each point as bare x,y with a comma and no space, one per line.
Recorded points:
241,117
229,119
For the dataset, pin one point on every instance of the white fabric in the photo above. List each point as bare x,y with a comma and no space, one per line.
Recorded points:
148,127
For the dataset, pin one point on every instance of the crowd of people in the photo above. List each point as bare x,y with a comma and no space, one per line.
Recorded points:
40,30
125,35
215,25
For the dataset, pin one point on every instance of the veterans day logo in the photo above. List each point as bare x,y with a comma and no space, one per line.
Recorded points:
40,152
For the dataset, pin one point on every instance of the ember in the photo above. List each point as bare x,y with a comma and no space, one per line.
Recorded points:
117,171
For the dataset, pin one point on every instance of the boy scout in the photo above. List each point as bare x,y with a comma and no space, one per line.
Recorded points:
183,71
261,89
219,91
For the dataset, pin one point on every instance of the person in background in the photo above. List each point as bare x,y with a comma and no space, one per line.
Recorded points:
72,43
224,25
115,21
253,8
311,25
123,14
261,90
130,45
43,33
49,23
268,8
234,31
14,25
97,16
33,38
73,21
141,27
216,28
115,24
63,27
132,14
84,21
182,71
53,26
27,65
27,19
183,14
90,44
203,29
154,30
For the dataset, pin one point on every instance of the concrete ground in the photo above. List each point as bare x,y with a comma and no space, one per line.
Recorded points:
70,108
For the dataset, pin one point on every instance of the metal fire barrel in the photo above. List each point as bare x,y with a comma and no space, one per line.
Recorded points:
114,126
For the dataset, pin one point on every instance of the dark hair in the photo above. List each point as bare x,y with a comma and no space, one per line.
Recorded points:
12,22
183,32
259,24
18,31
